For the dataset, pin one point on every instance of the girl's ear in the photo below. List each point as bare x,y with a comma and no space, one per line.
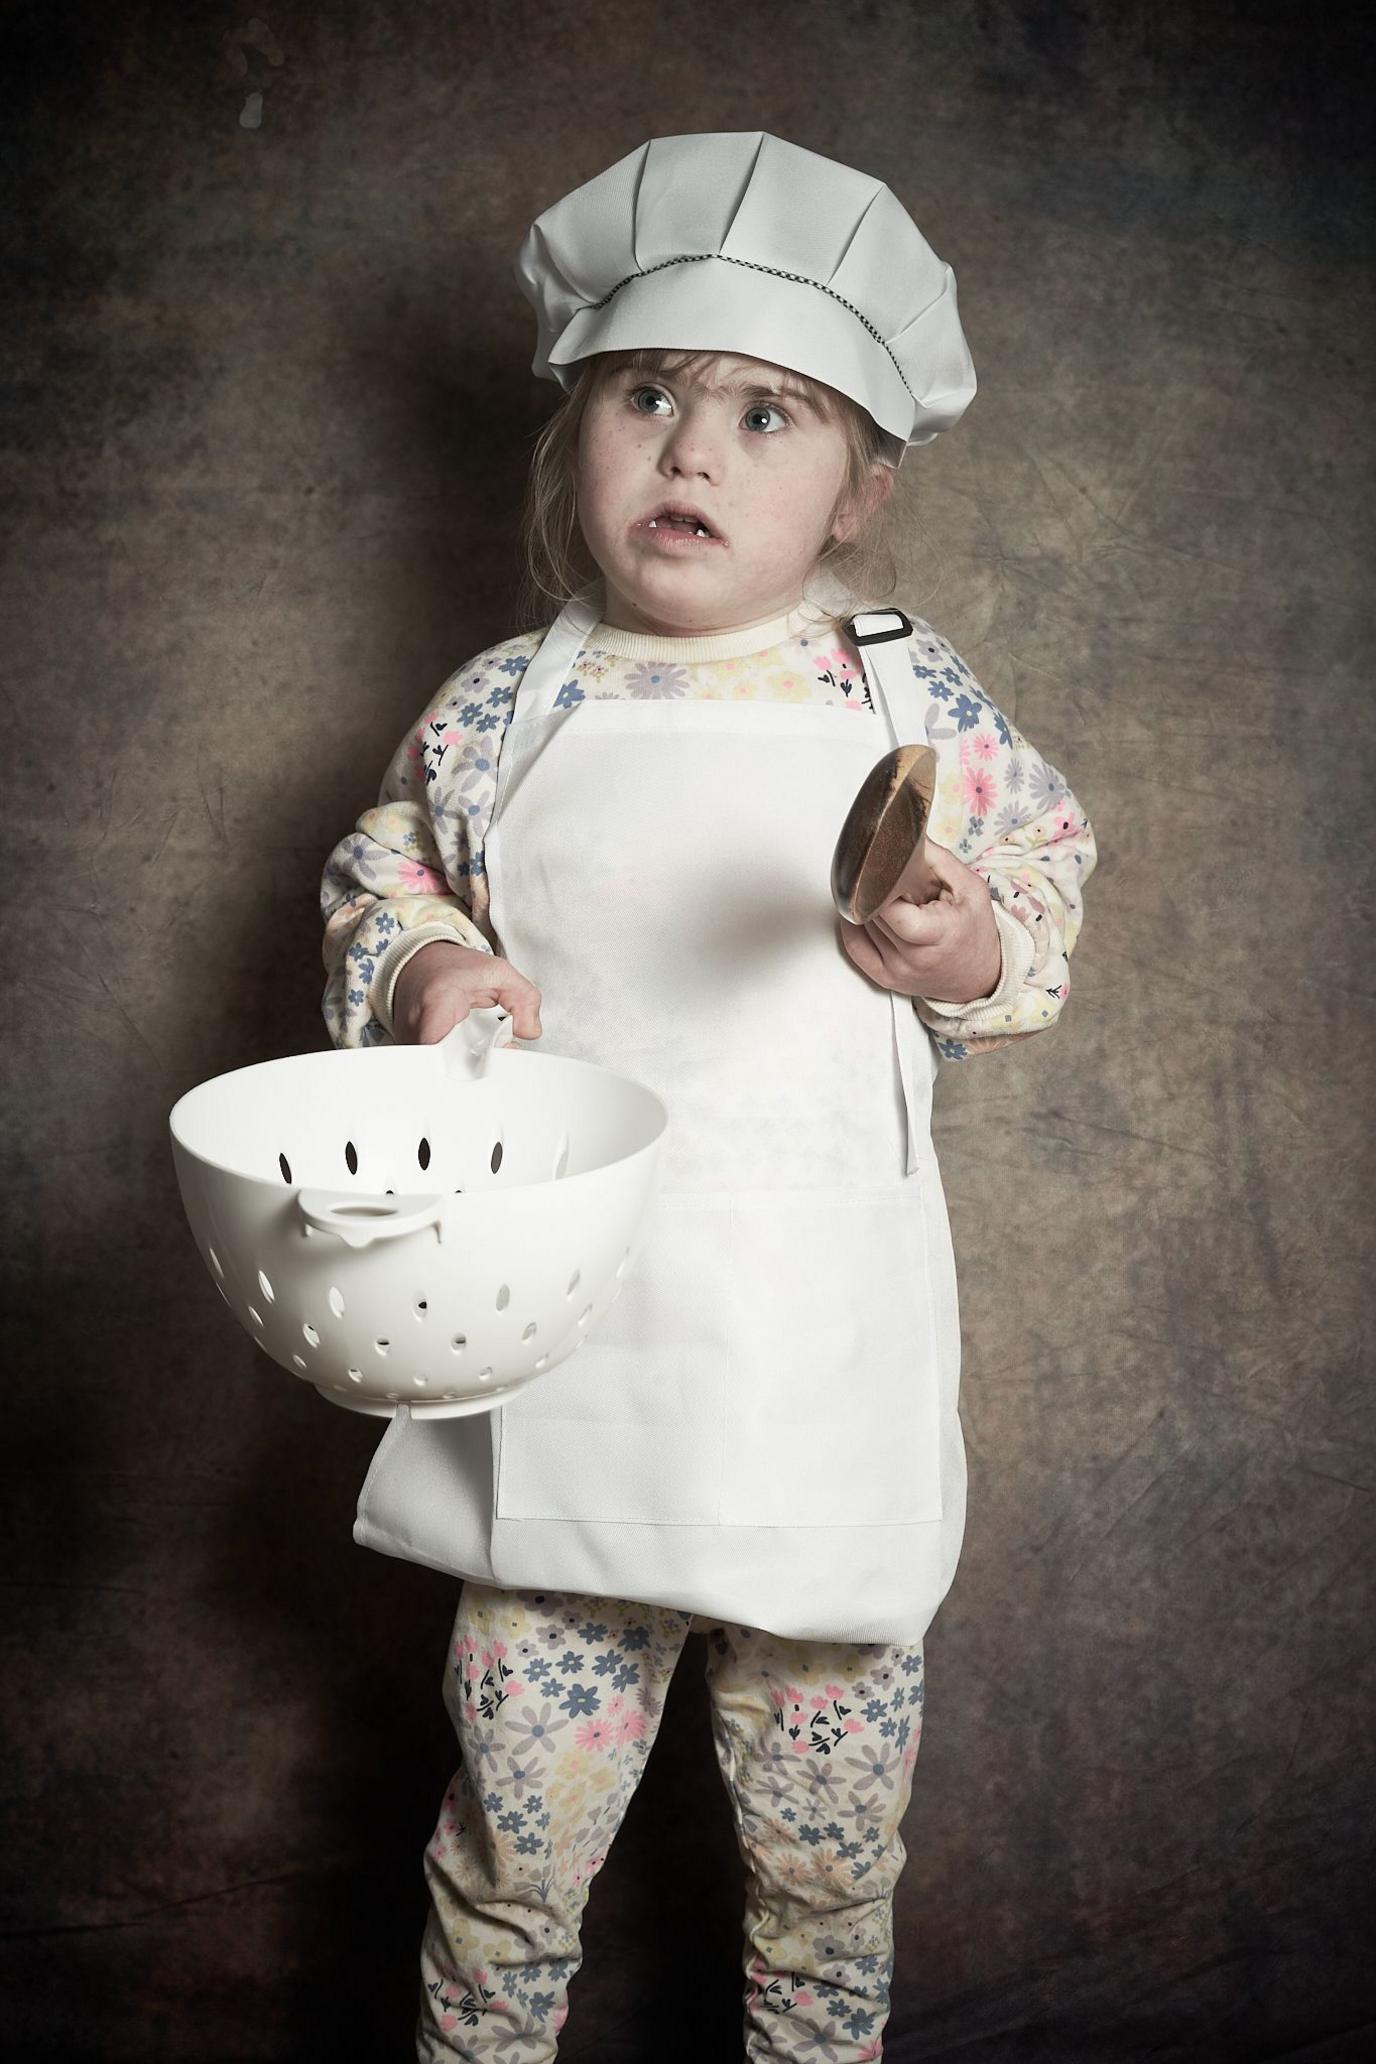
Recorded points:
853,514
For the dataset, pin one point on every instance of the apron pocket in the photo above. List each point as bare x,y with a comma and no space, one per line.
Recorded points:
773,1360
833,1415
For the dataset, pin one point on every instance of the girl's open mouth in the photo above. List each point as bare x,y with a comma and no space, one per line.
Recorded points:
671,535
678,527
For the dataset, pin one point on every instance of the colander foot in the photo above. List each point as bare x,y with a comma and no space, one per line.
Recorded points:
461,1408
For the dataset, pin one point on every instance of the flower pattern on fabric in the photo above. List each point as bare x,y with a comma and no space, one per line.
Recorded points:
816,1742
416,859
649,681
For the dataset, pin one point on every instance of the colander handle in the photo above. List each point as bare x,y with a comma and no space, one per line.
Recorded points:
360,1219
468,1046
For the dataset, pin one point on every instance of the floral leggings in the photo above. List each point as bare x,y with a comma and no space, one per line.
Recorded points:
556,1700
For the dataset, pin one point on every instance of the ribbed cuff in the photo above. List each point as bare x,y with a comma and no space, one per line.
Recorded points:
1016,948
402,948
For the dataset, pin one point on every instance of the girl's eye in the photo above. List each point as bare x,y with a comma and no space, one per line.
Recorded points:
759,408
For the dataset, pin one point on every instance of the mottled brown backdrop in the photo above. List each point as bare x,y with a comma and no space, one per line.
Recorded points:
267,408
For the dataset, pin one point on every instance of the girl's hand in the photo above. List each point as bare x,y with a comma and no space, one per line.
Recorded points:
947,951
442,983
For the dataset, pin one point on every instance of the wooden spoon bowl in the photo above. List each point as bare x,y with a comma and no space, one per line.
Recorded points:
879,854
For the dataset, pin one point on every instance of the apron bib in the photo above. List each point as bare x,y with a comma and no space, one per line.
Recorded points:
762,1428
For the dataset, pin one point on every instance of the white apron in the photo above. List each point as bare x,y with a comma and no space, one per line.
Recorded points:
763,1427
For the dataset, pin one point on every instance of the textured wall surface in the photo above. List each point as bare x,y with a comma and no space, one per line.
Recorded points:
267,411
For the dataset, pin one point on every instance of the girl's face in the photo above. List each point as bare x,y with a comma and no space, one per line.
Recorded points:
734,439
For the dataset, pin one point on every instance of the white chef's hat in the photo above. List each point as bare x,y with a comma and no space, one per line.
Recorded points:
737,241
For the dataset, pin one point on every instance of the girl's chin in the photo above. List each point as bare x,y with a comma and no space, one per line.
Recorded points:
668,609
652,580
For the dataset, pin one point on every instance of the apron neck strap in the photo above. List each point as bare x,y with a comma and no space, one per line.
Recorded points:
882,638
546,673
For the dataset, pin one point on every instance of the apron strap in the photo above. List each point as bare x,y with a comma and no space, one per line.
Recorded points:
558,650
881,637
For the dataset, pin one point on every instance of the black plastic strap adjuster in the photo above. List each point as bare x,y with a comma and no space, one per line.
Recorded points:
904,630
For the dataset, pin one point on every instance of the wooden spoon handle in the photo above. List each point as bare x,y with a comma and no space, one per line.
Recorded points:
879,852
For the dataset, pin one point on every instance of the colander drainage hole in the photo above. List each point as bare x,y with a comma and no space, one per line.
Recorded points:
496,1157
423,1153
562,1158
530,1331
422,1307
355,1375
504,1297
543,1362
255,1316
421,1382
299,1363
285,1166
351,1157
574,1281
459,1342
585,1315
312,1337
336,1302
621,1265
485,1375
382,1345
265,1286
215,1261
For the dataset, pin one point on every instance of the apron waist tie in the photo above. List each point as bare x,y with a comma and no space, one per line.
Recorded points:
904,1034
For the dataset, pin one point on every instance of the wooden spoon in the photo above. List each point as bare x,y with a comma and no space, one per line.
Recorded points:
880,853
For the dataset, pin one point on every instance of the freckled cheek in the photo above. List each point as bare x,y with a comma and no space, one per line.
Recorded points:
779,520
608,496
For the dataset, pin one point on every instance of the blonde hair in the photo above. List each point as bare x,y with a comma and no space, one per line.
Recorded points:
556,563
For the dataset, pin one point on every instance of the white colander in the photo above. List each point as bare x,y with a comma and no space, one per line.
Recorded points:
431,1225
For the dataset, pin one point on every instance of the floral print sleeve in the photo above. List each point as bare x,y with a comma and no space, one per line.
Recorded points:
411,870
1009,814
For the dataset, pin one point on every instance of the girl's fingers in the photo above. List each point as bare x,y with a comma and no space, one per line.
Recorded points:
915,924
446,998
524,1007
863,951
519,998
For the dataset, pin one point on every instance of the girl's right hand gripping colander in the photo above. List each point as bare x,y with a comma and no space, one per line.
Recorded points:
430,1225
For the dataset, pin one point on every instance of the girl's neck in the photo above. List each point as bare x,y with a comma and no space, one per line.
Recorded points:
804,620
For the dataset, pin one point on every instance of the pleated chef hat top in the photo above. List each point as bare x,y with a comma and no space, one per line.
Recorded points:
738,241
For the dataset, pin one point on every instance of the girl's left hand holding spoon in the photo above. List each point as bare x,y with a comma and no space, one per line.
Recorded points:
946,950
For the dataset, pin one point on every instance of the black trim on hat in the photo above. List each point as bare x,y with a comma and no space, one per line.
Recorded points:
694,257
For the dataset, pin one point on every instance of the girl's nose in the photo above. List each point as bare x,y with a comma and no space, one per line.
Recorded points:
694,444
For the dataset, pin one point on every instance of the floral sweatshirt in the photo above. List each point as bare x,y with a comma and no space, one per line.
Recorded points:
412,869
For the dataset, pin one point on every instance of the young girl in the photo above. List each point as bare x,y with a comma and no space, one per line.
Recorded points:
619,828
